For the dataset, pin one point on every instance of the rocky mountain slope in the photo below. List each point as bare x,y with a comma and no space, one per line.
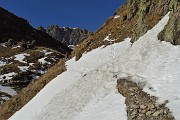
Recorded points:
133,19
25,53
68,36
90,92
18,29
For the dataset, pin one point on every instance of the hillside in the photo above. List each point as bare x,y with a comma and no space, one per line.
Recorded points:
128,69
25,54
18,29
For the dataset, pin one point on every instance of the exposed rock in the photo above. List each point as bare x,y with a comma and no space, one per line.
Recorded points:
4,97
171,33
135,106
78,56
66,35
151,106
10,42
142,106
141,28
144,7
156,113
132,8
148,113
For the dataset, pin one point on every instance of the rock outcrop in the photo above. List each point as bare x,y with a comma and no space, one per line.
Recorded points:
66,35
140,105
171,33
141,8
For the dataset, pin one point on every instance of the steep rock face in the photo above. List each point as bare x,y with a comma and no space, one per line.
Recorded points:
18,29
141,8
171,33
66,35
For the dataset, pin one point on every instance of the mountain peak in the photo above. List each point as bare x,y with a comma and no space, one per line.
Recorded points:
68,36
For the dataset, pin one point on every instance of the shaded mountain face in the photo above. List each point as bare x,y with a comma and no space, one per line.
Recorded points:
18,29
66,35
25,53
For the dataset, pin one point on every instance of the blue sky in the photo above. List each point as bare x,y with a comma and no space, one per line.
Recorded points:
89,14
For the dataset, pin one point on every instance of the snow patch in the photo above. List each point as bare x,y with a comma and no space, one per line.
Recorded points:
47,52
116,16
21,57
72,46
16,47
7,90
2,63
23,68
108,39
43,61
31,64
7,76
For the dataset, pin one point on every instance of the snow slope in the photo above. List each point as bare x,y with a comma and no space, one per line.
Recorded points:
86,82
87,90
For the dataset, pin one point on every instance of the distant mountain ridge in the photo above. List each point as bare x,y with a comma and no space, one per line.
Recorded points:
66,35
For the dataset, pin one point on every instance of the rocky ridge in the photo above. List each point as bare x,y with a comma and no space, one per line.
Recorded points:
68,36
